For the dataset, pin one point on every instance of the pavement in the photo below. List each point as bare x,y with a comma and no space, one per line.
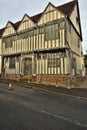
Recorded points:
75,91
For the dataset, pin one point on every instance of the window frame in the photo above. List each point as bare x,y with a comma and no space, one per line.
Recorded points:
12,63
53,60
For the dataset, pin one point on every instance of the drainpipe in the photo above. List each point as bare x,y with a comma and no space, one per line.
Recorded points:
70,54
39,67
47,70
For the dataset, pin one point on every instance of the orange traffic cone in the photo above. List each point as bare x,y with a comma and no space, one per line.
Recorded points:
10,87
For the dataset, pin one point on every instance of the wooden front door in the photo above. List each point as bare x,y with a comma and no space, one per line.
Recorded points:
28,66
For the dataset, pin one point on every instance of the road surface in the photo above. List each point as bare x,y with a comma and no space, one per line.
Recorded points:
29,109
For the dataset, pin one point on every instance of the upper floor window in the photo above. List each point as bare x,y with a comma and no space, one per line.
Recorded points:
35,31
8,41
23,35
31,33
69,26
51,32
77,20
41,30
61,24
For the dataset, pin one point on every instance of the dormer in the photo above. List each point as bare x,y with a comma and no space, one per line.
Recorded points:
9,29
26,23
50,13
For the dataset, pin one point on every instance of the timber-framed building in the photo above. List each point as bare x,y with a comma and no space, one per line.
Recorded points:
46,47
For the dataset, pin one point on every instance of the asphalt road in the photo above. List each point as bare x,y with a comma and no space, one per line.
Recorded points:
29,109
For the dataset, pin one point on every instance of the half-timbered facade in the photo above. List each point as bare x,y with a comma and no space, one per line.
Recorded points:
85,62
1,32
45,46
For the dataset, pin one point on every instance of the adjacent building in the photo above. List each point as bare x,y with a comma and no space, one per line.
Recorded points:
46,47
85,62
1,32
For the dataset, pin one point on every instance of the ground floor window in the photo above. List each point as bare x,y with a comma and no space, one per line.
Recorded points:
53,60
12,62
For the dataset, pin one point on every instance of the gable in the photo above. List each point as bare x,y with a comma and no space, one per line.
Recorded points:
26,23
50,14
9,29
49,8
75,19
25,18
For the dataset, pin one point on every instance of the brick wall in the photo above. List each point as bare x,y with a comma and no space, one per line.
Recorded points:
51,79
61,80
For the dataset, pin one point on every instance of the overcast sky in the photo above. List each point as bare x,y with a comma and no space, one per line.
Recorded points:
14,11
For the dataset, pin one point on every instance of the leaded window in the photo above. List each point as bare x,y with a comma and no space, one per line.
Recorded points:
31,33
35,32
53,60
23,35
61,24
12,63
41,30
51,32
8,41
38,56
44,56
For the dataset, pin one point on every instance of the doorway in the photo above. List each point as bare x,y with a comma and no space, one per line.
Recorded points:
27,66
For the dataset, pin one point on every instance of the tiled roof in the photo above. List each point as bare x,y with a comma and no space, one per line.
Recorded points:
16,25
36,17
1,31
67,8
